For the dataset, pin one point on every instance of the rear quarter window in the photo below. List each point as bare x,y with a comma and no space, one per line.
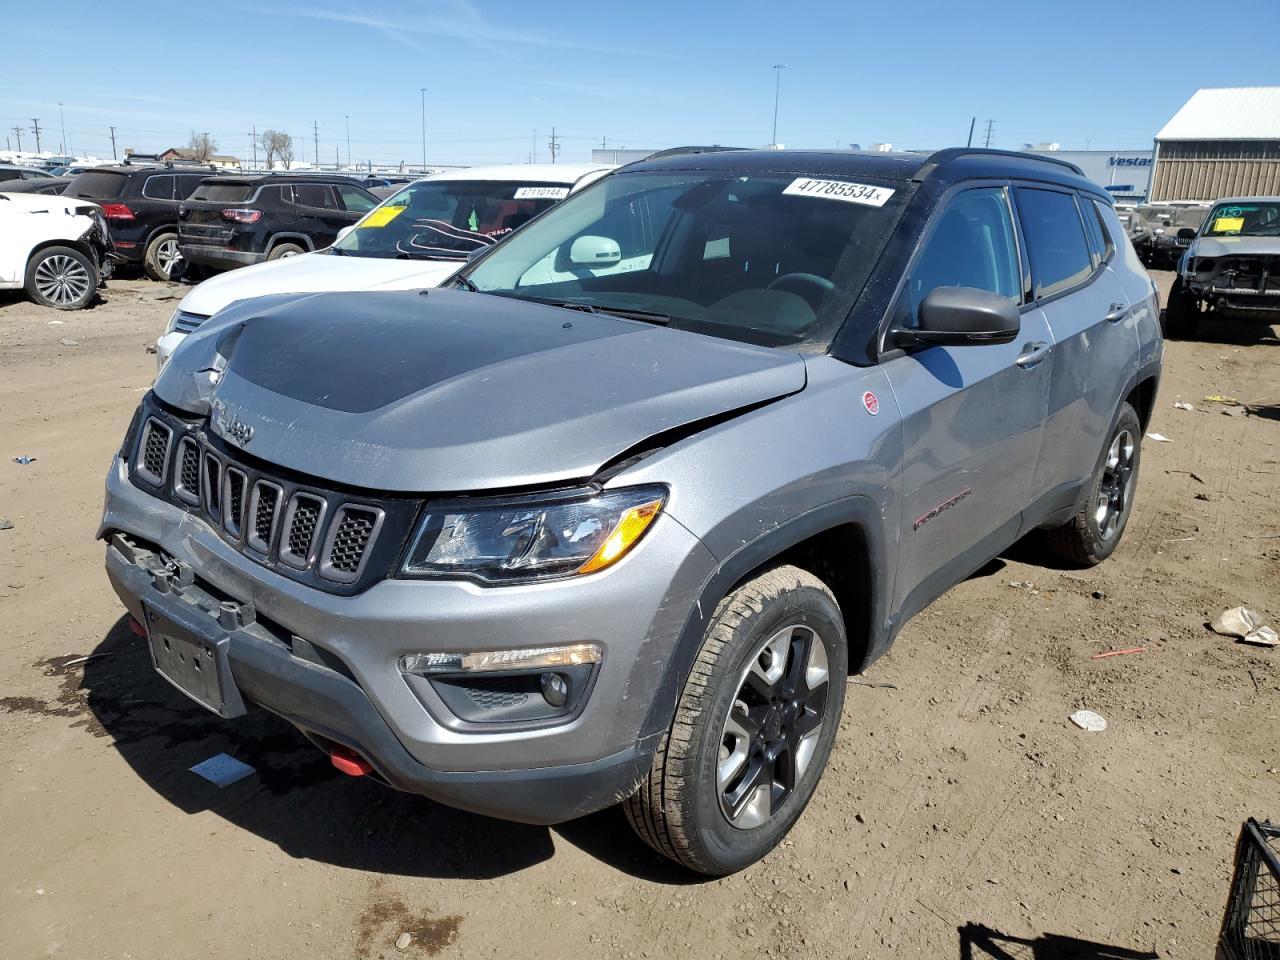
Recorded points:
96,184
158,188
1056,243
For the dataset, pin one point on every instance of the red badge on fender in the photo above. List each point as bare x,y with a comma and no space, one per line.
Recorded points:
871,403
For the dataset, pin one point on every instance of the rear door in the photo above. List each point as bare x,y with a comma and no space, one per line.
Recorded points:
973,415
319,213
1093,327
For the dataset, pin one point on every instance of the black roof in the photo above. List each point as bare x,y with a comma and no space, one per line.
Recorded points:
256,179
949,165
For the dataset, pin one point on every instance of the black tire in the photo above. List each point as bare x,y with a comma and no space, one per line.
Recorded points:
161,255
285,250
679,809
1088,539
1182,314
62,278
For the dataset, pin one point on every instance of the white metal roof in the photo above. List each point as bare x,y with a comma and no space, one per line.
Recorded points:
562,173
1227,113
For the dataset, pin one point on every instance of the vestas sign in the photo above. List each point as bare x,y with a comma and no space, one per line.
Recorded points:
1128,161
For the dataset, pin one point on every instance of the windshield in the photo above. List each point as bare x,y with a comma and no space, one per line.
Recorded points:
1253,219
768,258
104,184
448,219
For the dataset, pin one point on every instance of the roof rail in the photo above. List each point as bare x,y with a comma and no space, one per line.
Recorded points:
681,151
939,157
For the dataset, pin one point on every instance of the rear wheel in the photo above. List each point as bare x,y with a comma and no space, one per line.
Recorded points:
1182,314
1094,532
282,250
161,256
62,278
753,727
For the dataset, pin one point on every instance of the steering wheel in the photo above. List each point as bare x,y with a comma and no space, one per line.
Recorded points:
810,286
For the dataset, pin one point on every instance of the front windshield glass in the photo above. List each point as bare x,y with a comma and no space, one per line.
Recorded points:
448,219
767,258
1252,219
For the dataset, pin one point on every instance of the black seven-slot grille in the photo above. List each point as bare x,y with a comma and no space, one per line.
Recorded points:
336,541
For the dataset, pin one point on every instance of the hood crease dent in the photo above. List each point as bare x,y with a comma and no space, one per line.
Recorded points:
455,391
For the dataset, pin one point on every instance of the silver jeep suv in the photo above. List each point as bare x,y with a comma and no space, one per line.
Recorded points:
612,516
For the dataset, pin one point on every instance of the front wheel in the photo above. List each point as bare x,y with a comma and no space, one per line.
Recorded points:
753,727
62,278
1094,532
1182,315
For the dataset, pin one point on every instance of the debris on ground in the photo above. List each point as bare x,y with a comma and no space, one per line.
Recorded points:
222,770
1158,438
1117,653
1202,496
149,347
1088,720
69,343
6,524
170,291
1098,595
56,323
1183,405
1023,585
24,460
1245,624
403,941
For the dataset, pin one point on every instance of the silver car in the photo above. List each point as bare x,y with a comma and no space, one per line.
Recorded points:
611,517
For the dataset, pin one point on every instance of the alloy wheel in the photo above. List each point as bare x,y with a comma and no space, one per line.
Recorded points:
773,726
1113,489
61,279
167,255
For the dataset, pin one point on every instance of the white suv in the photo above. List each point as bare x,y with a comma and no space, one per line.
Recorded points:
54,248
416,238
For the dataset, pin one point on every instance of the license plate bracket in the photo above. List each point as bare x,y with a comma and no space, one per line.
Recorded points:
190,650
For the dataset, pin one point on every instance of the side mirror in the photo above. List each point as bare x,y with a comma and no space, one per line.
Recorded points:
1186,233
589,251
961,317
343,234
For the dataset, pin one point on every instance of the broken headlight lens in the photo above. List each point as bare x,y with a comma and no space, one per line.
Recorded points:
533,539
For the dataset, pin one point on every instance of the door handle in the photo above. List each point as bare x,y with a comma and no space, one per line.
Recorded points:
1117,312
1032,354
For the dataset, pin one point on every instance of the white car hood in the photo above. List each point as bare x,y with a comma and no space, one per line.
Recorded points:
314,273
42,203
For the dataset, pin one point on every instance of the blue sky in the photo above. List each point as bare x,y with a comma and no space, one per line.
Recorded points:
1106,74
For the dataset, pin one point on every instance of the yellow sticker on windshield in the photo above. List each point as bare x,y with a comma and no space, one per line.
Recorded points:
1228,224
381,216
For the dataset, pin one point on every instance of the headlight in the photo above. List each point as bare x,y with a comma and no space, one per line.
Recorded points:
173,321
533,539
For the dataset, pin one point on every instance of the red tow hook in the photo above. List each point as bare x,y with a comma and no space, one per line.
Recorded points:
136,627
348,761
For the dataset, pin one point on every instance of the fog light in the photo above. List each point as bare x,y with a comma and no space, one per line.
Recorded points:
426,664
555,689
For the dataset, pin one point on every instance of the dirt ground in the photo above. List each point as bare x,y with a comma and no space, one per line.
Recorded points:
961,811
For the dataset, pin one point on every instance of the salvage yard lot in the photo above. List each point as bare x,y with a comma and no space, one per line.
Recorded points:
959,806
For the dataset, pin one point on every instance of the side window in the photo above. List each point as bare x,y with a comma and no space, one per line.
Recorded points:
1108,243
186,186
158,188
1055,240
355,200
314,195
972,245
284,192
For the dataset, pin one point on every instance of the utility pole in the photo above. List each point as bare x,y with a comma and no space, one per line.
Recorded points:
113,143
987,142
348,140
604,143
972,121
35,128
63,124
17,132
253,138
555,145
533,157
315,132
777,90
336,164
423,91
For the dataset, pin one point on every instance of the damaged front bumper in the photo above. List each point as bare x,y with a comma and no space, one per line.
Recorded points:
1244,286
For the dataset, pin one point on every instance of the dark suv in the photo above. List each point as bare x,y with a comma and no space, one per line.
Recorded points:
141,207
235,221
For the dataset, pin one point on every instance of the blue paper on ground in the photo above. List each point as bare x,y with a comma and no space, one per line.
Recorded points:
223,770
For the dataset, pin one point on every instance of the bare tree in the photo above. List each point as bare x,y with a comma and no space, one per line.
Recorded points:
201,146
277,145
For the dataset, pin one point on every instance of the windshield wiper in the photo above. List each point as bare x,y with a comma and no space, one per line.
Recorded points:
626,313
466,284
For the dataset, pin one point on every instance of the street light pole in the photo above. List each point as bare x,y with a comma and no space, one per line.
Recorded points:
63,124
424,128
348,116
777,89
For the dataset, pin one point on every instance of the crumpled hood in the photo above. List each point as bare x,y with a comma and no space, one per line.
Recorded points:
43,203
314,273
448,391
1235,246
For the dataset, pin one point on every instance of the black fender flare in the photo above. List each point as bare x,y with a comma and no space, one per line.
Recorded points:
301,238
869,627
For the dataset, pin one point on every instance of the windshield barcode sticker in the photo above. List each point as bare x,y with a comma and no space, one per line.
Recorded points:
541,193
863,193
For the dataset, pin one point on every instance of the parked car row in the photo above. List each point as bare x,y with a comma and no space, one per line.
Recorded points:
1154,230
56,250
612,513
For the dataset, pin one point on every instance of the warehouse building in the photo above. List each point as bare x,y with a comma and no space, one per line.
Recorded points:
1223,142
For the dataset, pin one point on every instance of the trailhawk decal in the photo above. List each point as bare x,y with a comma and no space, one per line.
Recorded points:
943,507
863,193
541,193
